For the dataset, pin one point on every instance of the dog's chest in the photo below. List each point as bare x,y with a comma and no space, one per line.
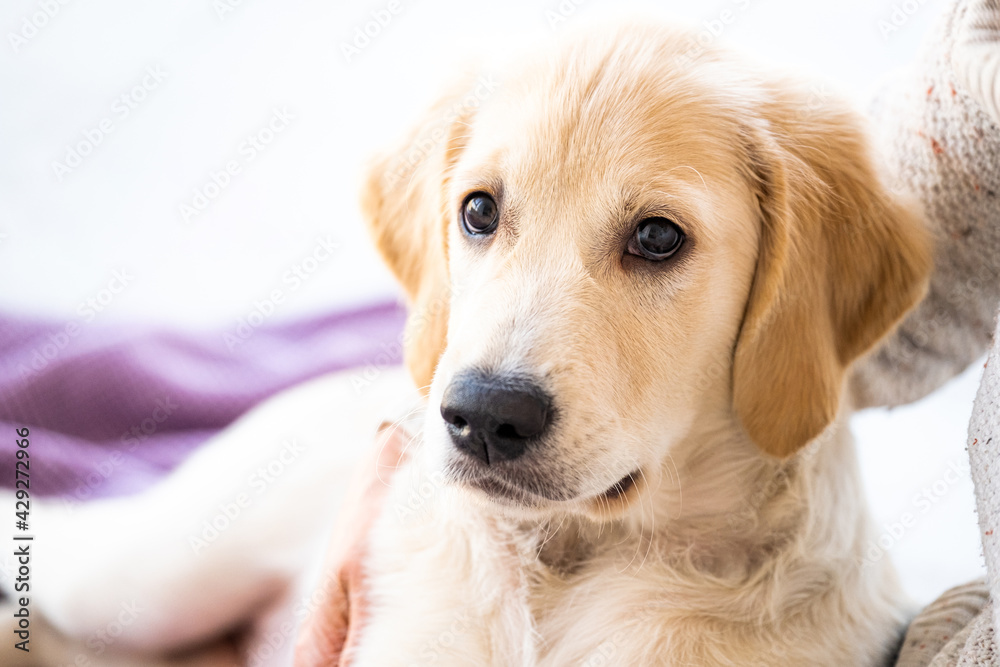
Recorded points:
450,586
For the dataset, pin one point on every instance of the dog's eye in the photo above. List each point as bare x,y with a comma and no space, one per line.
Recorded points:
480,213
656,239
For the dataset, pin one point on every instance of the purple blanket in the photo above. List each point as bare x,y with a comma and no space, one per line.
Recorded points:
112,409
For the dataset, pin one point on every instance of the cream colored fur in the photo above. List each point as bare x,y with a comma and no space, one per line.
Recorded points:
694,374
716,379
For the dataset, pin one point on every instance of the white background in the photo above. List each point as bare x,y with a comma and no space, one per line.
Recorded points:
225,71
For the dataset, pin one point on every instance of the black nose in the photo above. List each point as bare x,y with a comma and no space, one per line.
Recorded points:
494,418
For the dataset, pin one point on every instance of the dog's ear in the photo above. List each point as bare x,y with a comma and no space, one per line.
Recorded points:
404,202
840,262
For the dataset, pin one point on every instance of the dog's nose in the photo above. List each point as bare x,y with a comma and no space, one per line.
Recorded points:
494,418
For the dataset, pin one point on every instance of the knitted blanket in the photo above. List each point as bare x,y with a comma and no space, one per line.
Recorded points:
938,127
958,629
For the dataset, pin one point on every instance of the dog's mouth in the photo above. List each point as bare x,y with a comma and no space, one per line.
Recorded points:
523,493
621,487
497,489
616,499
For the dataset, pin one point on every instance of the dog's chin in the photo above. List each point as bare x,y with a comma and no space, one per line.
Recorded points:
507,501
503,496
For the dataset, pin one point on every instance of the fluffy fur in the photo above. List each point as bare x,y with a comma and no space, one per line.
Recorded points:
706,377
715,380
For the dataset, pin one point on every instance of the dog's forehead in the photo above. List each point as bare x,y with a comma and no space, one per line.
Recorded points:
610,134
631,113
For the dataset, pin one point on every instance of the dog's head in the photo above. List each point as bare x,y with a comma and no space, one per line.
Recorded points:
630,244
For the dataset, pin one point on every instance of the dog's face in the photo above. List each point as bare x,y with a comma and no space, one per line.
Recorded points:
608,284
634,244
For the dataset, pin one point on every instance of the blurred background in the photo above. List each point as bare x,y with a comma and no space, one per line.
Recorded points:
172,165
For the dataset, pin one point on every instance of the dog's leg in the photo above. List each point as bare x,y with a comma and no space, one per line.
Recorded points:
47,647
200,552
446,581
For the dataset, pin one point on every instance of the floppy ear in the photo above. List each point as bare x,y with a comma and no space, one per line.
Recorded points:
840,262
404,202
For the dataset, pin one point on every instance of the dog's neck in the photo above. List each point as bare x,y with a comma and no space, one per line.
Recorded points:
717,504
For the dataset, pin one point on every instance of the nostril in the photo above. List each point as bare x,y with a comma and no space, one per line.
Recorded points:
453,416
507,431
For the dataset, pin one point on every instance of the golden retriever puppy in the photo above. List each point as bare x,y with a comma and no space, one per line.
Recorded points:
640,271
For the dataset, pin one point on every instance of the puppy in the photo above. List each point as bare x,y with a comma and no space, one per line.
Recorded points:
639,273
